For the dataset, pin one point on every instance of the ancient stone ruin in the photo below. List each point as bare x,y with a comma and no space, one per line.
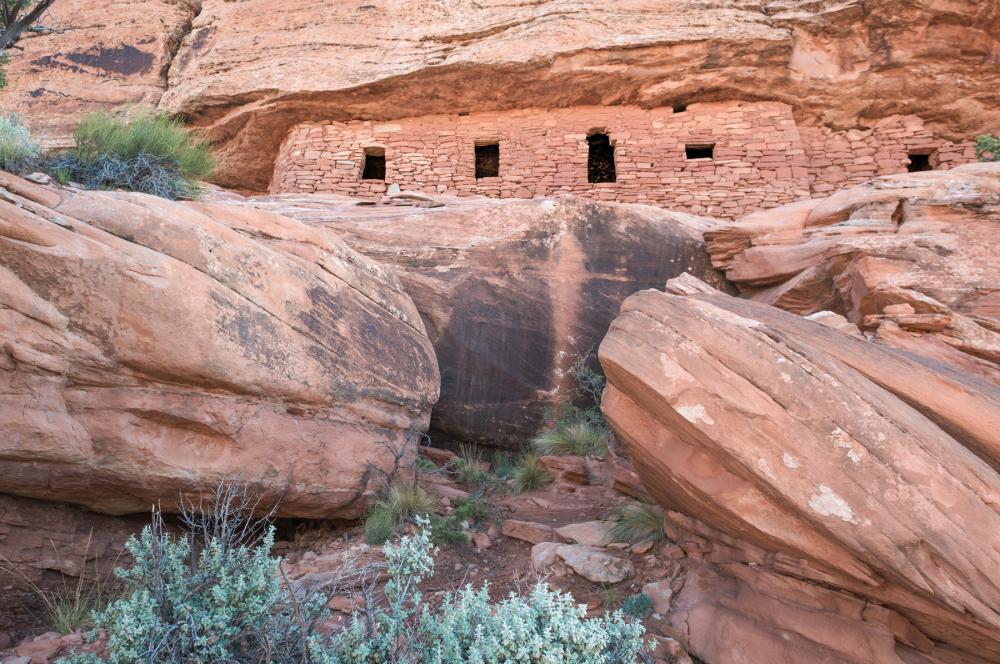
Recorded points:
689,308
723,159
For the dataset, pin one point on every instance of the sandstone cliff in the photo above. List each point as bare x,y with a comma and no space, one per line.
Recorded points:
248,73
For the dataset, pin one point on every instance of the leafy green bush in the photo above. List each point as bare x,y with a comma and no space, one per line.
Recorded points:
401,505
530,474
17,153
638,606
424,465
635,523
143,151
988,147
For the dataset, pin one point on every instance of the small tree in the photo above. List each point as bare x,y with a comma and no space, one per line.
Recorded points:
16,18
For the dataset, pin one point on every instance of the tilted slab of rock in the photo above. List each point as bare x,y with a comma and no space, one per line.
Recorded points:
846,463
511,291
150,347
917,251
248,73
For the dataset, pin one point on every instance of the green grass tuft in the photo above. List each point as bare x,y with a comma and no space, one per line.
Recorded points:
530,474
402,504
578,438
504,465
139,151
635,523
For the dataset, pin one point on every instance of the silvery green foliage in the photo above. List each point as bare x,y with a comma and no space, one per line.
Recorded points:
545,627
17,152
222,602
211,595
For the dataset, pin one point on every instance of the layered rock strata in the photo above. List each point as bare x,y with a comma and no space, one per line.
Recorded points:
151,348
820,455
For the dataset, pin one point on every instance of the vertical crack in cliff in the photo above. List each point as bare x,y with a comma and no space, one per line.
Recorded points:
177,40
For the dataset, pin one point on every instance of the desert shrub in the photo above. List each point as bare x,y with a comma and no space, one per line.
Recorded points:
453,528
988,147
530,474
210,594
638,606
141,151
473,509
468,467
17,152
213,594
635,523
544,626
402,504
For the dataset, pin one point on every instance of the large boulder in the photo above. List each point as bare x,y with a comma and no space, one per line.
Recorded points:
834,460
248,73
511,291
149,348
910,256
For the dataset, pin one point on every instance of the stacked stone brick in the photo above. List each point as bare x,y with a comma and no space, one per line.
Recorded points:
761,157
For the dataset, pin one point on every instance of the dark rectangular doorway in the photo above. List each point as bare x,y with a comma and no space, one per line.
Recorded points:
600,159
488,160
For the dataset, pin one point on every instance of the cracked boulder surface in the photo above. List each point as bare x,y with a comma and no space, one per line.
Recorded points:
247,73
816,455
150,348
511,292
908,258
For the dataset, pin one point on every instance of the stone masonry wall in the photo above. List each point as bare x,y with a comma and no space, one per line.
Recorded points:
761,157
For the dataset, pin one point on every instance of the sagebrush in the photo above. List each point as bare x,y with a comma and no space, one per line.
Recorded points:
18,153
214,594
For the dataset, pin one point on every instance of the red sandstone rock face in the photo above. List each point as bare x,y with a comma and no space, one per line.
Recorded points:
149,348
50,545
820,456
105,54
511,292
249,74
912,256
